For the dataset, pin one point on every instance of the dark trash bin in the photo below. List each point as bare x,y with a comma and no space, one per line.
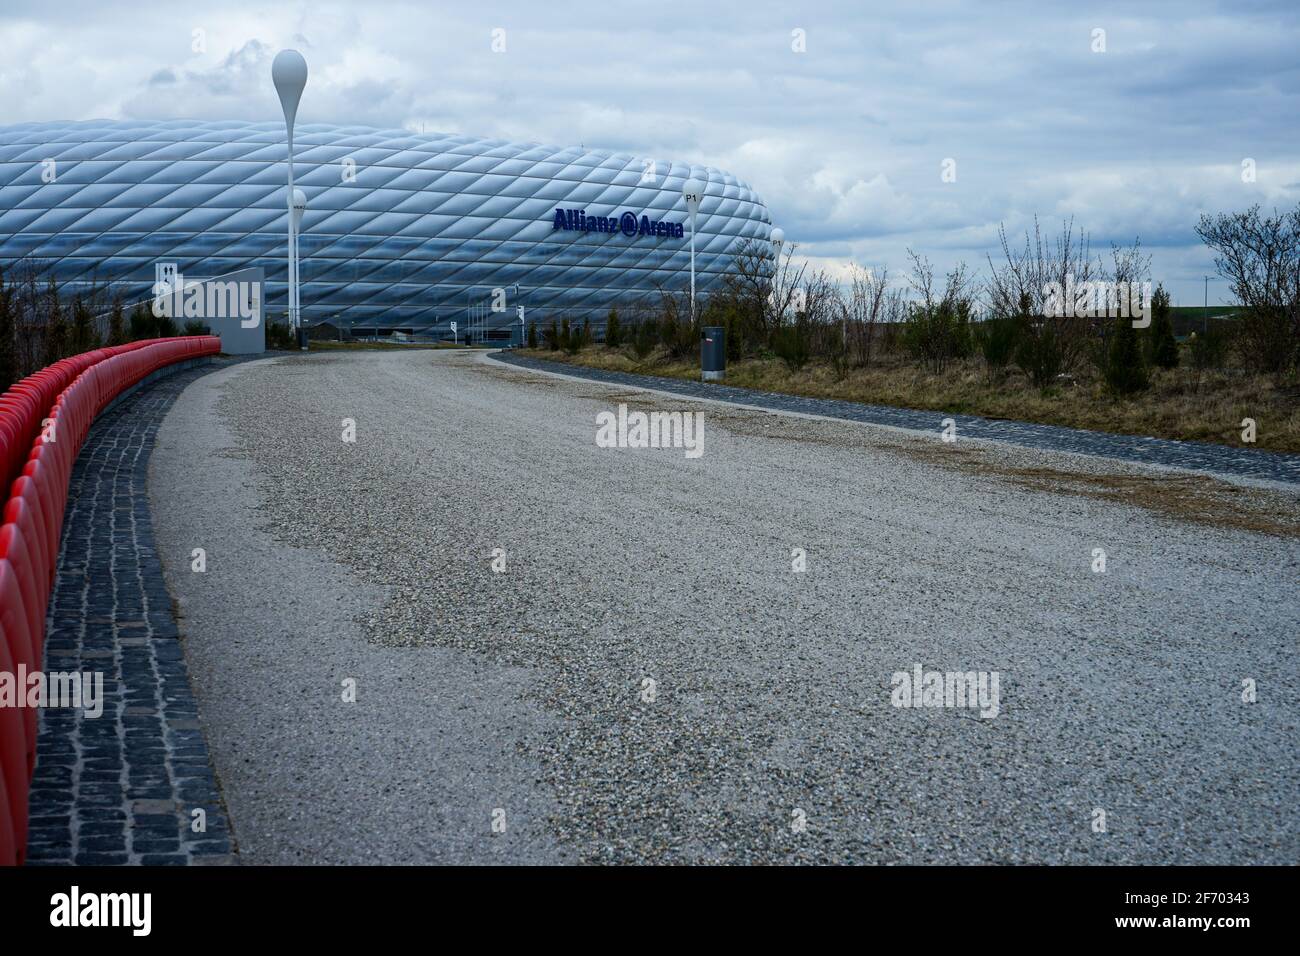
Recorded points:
713,353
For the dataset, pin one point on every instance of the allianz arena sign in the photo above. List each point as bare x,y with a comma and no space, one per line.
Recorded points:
628,224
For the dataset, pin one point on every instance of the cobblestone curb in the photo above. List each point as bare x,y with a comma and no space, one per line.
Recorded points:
122,788
1194,456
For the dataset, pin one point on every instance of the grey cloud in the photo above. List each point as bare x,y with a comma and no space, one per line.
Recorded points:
221,92
844,141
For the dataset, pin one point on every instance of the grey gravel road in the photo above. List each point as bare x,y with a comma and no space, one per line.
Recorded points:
770,735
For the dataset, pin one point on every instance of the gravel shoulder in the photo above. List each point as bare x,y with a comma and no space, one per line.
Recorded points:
526,690
435,740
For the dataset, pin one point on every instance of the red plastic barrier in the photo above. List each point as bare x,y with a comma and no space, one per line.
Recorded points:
14,547
28,402
24,510
44,420
15,771
8,846
16,617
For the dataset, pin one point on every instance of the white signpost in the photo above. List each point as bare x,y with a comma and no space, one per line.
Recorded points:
230,305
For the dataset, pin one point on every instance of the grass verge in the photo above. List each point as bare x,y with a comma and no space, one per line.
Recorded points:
1179,405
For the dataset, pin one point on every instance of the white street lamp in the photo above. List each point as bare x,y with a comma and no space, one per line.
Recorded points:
296,210
469,314
289,73
519,313
693,192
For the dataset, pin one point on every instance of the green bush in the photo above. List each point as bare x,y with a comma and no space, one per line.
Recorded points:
56,329
279,336
1126,372
828,342
142,324
1208,348
532,335
791,345
8,354
1040,353
552,336
735,326
963,336
613,333
1162,346
84,335
938,334
997,339
117,325
644,340
679,339
668,330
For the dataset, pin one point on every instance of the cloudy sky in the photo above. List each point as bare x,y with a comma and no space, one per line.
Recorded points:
844,117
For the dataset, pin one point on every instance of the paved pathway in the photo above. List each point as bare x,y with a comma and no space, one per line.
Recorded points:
678,653
1197,456
121,788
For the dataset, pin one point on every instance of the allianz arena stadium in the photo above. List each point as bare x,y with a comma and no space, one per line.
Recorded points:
403,231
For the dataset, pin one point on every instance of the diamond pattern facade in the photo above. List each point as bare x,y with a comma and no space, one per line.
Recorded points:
402,230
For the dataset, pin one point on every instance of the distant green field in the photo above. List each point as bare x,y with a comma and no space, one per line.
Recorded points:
1193,318
325,346
1198,311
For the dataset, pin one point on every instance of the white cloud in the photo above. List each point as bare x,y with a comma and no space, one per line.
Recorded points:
844,141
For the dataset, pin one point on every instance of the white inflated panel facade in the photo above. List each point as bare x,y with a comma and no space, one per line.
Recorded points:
402,230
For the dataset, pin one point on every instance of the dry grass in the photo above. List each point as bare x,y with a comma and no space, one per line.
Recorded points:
1174,407
1191,499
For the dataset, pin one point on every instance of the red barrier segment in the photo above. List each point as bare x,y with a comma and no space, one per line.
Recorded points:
51,509
14,547
24,646
16,727
24,511
8,841
44,420
23,407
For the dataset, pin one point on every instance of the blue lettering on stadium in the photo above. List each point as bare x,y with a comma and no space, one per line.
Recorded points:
628,224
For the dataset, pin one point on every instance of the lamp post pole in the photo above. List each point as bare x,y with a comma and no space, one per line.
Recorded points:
692,192
519,311
469,313
296,210
289,73
1205,312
